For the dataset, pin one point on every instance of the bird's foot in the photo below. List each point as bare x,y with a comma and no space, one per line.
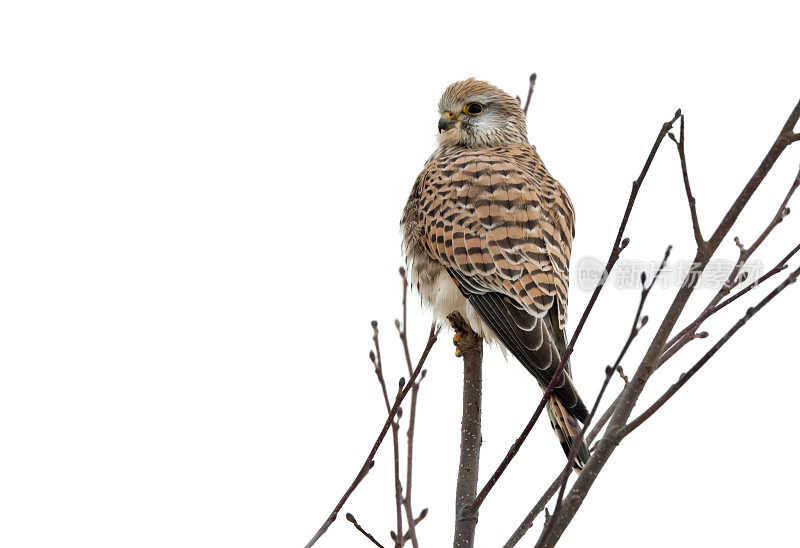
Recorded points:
457,344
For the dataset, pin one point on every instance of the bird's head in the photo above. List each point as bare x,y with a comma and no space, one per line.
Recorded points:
477,114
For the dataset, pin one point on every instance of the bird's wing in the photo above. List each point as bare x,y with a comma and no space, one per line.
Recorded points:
503,228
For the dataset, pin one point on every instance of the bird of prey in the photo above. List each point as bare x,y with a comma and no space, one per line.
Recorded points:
487,232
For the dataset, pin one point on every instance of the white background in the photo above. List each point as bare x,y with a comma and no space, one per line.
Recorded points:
199,217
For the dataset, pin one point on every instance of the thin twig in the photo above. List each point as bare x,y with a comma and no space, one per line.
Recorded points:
351,518
412,420
527,523
619,245
598,426
375,357
680,143
398,487
532,82
419,518
668,354
434,333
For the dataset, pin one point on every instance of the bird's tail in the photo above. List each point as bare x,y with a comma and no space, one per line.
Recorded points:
568,430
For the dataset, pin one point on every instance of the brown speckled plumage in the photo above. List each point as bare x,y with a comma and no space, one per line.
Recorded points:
488,232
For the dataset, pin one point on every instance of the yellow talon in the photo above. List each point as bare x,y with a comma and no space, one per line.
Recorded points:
457,342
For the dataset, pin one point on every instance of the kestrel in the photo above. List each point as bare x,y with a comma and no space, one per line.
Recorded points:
487,232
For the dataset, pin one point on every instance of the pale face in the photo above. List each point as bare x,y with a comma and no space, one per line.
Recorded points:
477,114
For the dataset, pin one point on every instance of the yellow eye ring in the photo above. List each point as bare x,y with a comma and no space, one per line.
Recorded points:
472,109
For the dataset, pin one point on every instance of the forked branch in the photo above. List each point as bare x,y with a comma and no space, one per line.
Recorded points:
369,462
684,378
630,394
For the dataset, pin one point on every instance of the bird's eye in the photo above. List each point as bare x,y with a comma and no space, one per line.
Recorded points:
472,109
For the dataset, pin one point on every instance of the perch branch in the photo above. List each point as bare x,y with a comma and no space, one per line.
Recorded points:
471,347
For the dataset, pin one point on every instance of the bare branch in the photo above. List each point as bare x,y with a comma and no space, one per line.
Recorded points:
734,278
639,322
680,143
540,505
688,333
416,520
398,488
564,475
368,463
633,389
351,518
375,358
412,419
667,355
684,378
471,347
777,219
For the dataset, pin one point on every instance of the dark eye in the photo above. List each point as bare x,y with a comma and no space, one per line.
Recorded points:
472,108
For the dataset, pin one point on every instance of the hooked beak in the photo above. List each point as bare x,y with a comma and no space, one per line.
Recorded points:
446,121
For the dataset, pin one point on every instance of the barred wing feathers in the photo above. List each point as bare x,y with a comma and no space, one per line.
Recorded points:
503,228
